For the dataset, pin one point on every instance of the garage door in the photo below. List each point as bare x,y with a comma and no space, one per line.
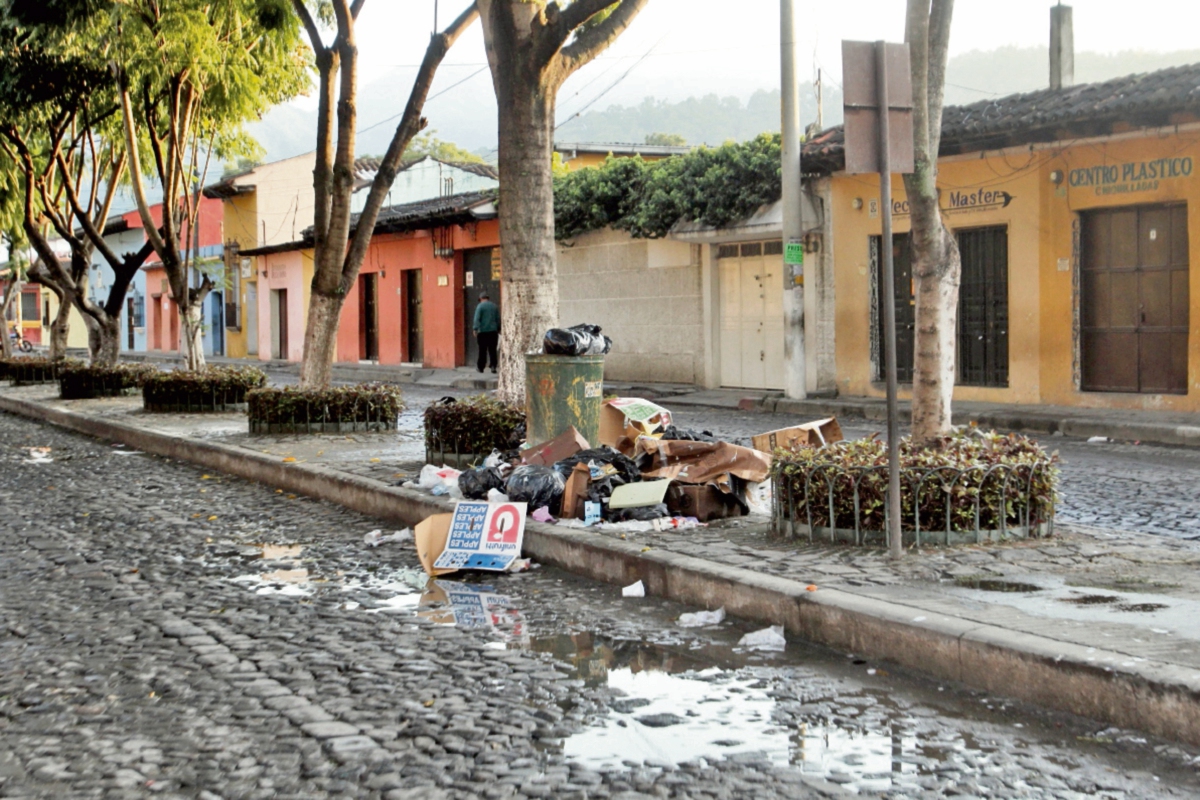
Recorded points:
751,285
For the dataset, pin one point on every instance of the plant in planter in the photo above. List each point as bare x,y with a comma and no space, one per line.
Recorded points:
82,381
340,409
207,390
462,432
27,371
973,486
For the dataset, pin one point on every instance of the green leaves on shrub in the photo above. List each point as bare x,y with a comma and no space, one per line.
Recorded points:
78,381
211,389
713,186
478,424
33,370
291,409
1006,473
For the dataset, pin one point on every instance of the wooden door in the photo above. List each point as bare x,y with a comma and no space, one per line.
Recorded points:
481,273
983,307
283,324
413,308
1134,296
752,327
906,307
368,317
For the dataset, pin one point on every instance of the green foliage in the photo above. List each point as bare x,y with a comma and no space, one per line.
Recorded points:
478,425
1005,473
668,139
427,144
713,186
292,409
212,389
25,371
81,381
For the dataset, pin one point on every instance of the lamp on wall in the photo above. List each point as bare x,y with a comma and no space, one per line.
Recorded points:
856,204
1056,177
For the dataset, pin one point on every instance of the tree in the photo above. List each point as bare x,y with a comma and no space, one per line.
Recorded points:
338,254
429,145
936,263
532,47
669,139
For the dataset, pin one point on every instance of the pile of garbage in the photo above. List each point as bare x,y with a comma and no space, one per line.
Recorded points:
644,472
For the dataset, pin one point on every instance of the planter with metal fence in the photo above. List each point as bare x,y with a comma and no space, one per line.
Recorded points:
29,371
342,409
212,390
85,381
462,433
989,488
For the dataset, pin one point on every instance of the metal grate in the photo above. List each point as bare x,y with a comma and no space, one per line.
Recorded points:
727,251
983,307
752,249
773,248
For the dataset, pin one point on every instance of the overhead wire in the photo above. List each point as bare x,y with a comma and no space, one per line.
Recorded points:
614,84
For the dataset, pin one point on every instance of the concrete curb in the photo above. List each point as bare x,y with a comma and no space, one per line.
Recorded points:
1160,698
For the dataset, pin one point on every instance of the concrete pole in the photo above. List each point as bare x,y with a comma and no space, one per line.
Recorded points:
1062,47
795,373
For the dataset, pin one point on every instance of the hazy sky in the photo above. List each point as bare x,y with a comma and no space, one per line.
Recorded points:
701,46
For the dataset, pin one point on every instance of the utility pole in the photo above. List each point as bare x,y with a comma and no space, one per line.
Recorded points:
795,371
820,104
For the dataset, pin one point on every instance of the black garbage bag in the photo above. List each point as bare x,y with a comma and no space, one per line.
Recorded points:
578,340
540,487
625,468
639,514
687,435
476,483
517,437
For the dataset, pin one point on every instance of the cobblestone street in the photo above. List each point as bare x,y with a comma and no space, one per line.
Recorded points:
154,643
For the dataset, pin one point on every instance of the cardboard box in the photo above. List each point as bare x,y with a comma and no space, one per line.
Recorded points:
565,445
628,418
705,502
575,492
810,434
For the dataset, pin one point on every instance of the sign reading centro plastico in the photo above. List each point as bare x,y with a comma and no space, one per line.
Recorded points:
1132,176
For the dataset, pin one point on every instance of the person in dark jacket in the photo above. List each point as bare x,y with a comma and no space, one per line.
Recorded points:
487,332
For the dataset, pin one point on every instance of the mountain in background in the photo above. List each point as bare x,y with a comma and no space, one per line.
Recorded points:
467,115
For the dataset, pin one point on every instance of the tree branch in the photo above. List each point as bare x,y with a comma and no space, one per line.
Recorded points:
356,7
310,26
593,41
939,48
89,227
410,124
135,176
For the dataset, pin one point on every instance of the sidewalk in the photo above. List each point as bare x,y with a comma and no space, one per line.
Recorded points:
1097,622
1151,427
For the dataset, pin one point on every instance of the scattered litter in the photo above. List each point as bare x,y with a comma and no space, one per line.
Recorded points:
767,639
127,452
760,497
812,587
376,538
623,419
476,483
432,477
496,496
676,523
636,590
1099,440
476,536
521,565
811,434
699,619
536,485
39,455
591,513
542,515
563,446
638,495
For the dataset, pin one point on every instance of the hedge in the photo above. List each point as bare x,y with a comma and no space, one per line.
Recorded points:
82,381
340,409
211,389
460,431
973,483
26,371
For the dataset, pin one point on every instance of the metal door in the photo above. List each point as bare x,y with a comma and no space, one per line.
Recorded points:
906,306
983,307
414,315
1134,300
481,273
752,329
368,316
130,308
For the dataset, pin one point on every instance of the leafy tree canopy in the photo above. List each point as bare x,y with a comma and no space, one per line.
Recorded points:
714,186
427,144
669,139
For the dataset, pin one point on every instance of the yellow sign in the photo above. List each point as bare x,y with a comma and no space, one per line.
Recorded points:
497,268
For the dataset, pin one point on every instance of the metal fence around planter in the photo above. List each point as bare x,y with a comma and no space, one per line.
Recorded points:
23,373
363,416
84,387
437,452
953,505
162,400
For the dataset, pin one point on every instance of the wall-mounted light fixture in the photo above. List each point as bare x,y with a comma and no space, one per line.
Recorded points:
856,204
1056,177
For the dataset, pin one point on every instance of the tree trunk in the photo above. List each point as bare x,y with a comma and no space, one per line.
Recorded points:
60,329
13,289
937,272
191,346
529,283
320,340
104,341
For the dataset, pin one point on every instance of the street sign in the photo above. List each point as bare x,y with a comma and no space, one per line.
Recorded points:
862,103
793,254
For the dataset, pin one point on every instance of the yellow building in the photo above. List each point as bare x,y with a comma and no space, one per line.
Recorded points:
264,206
577,155
1074,211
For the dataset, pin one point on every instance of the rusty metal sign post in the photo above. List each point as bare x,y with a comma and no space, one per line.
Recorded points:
877,87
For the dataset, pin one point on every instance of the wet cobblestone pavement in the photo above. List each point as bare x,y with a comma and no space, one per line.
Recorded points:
176,634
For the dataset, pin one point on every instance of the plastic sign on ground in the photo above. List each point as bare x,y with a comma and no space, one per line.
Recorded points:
483,536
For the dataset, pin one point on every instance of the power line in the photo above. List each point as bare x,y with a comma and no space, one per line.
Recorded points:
427,100
613,85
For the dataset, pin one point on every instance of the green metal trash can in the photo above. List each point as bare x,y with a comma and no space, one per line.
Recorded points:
561,391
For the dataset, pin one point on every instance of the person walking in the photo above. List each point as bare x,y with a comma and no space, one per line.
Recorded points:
487,332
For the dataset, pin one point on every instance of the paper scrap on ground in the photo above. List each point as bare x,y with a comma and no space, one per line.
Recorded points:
1099,440
39,455
542,515
376,538
637,495
483,536
699,619
636,590
767,639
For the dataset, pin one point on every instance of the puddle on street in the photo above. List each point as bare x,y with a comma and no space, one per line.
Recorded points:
281,552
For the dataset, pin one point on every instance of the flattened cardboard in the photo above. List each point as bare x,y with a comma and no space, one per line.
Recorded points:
484,536
575,492
637,495
565,445
705,502
810,434
630,417
703,462
430,536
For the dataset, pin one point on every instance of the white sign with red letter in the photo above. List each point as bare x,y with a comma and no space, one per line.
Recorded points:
484,536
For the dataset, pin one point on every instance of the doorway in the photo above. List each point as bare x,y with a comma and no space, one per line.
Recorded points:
368,317
252,319
1134,297
217,322
906,307
751,285
154,322
983,307
279,324
130,309
414,314
481,275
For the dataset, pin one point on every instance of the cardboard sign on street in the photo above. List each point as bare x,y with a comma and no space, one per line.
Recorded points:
483,536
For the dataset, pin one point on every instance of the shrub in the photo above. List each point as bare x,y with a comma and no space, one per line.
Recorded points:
211,389
971,482
340,409
81,381
25,371
471,427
